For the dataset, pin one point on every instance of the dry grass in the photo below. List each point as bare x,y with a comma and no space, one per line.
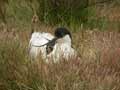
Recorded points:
98,68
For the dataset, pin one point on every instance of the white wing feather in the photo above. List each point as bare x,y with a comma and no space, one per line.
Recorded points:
39,39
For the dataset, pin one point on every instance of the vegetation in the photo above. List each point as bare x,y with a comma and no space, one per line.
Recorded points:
73,14
97,69
98,65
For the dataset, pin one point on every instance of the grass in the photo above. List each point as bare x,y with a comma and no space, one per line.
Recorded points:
97,69
66,13
99,50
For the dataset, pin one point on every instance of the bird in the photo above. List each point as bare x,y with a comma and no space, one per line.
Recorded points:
52,47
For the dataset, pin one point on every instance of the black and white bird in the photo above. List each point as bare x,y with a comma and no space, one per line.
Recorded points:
52,47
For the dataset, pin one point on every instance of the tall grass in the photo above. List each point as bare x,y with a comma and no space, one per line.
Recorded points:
73,14
61,11
97,69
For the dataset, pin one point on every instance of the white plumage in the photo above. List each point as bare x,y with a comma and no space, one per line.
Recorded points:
61,49
37,44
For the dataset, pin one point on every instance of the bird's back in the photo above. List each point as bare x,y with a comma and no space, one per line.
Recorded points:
38,43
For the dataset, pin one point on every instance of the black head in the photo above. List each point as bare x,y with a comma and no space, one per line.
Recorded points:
61,32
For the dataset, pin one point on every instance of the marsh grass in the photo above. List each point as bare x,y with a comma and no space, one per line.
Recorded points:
98,67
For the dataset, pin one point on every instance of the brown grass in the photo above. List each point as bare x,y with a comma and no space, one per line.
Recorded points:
97,69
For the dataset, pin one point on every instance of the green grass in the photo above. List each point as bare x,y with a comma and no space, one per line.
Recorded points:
64,13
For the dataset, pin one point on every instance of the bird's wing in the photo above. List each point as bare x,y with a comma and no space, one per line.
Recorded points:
40,39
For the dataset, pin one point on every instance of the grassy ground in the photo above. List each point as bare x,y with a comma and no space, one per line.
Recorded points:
97,69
